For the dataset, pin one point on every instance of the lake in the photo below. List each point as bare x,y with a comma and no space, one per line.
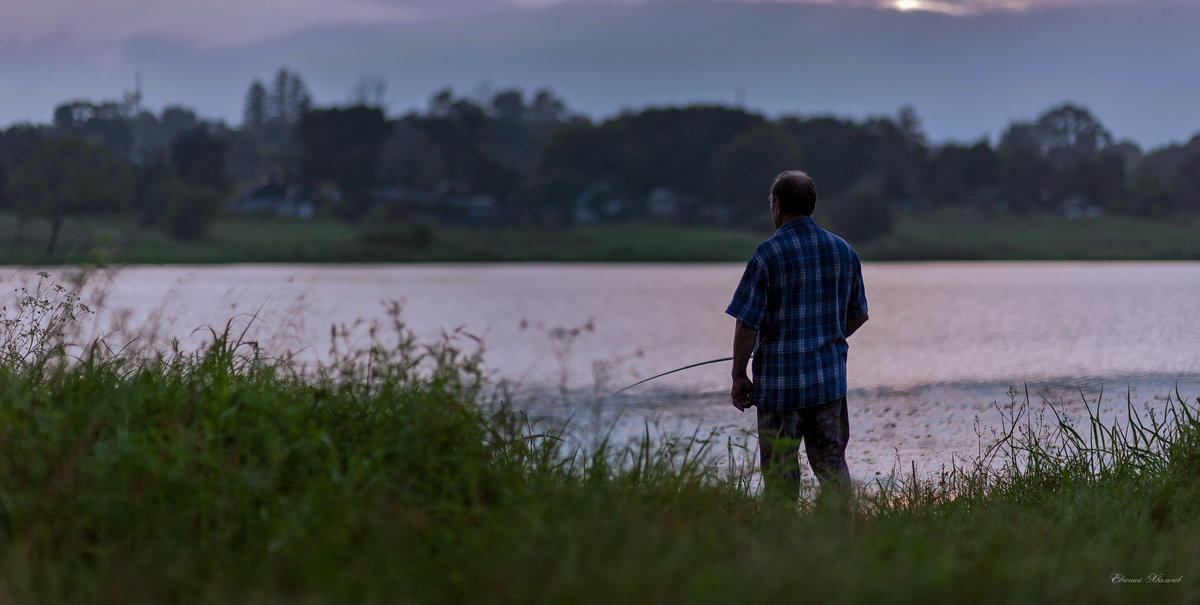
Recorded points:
945,341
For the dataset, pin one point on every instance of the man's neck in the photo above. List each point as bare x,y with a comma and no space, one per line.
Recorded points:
787,218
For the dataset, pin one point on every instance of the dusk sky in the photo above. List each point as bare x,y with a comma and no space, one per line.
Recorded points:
968,67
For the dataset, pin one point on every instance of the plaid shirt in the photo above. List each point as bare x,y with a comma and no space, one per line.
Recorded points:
798,290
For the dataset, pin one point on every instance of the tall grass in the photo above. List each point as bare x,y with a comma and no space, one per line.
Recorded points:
391,475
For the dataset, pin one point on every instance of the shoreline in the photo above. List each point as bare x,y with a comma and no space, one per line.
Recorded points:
933,237
930,426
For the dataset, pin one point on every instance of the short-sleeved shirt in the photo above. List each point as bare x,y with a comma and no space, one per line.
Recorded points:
798,290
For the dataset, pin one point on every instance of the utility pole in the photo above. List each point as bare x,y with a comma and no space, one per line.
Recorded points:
136,98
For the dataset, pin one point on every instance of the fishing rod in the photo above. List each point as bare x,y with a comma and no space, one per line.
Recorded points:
688,367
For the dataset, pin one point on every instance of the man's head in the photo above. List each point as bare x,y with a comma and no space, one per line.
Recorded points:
793,194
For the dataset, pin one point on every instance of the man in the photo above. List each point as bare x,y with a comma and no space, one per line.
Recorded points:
799,299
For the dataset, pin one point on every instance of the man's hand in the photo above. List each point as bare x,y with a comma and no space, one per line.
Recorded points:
742,387
744,340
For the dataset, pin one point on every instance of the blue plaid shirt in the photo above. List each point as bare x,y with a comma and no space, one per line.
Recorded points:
798,290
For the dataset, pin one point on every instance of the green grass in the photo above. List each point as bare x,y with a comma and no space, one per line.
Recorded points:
221,475
969,236
605,243
258,239
936,236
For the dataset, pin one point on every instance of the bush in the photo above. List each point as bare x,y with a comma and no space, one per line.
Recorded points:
191,211
861,216
414,235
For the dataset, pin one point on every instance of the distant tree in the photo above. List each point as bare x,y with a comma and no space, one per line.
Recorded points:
575,159
634,153
278,109
861,216
1101,179
547,107
675,147
289,99
182,191
1045,161
837,153
199,158
17,144
958,175
68,177
254,109
1167,181
175,118
899,154
270,114
190,210
456,130
1069,133
405,160
154,183
1026,174
515,140
370,92
107,122
1025,179
343,146
509,105
742,170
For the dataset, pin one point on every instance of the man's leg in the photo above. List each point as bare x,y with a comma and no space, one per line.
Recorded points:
779,454
826,431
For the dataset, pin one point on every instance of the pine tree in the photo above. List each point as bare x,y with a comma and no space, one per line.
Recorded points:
288,100
298,99
254,112
277,106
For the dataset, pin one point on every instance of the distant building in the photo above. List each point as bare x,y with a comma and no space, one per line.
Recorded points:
596,203
663,202
1079,206
278,199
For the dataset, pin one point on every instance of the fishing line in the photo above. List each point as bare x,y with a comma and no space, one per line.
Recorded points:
688,367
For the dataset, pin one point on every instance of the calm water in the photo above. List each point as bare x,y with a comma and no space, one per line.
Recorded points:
945,340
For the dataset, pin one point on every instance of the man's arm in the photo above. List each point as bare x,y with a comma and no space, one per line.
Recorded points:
744,339
854,323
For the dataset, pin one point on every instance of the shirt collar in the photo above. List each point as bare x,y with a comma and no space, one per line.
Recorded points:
797,222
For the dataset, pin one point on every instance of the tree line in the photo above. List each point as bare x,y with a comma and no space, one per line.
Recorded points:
536,162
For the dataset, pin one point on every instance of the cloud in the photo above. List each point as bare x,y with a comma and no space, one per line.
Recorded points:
106,24
949,7
102,26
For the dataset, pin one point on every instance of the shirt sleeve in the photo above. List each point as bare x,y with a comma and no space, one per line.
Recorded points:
858,293
749,303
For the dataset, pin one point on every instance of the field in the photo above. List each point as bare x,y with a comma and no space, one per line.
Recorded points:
223,475
939,236
958,236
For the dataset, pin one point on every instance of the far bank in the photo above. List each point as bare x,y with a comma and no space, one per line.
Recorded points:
916,237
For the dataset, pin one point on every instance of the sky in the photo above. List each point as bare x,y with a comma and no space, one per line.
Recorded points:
968,67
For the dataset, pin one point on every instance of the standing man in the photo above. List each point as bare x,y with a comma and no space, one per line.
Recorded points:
799,299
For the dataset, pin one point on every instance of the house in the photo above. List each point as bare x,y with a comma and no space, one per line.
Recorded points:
596,203
1079,206
279,199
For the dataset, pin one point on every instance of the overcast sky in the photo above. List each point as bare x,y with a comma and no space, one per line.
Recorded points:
103,25
968,66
